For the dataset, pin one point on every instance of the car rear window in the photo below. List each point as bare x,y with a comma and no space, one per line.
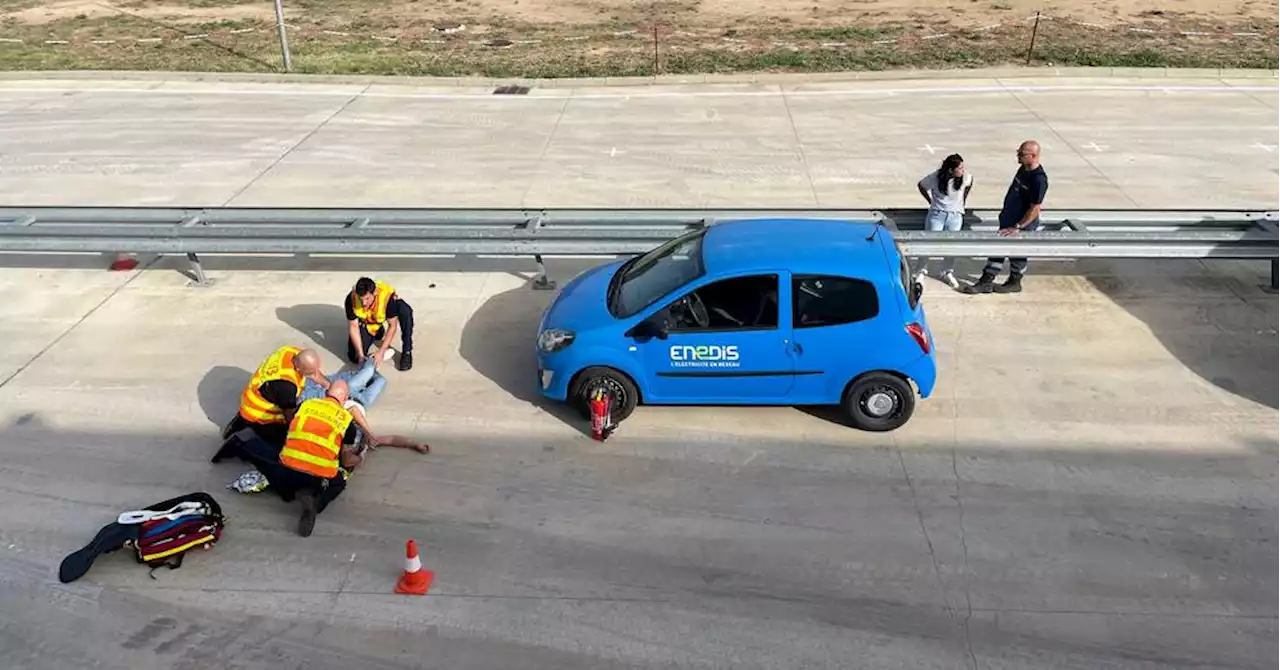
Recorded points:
826,300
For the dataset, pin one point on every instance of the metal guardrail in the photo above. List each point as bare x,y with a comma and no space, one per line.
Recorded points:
1085,233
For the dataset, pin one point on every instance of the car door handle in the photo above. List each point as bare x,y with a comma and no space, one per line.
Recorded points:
797,348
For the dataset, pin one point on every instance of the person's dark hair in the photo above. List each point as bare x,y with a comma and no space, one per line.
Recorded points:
947,173
365,286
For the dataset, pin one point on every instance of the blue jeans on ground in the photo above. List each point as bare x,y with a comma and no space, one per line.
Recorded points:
366,384
938,220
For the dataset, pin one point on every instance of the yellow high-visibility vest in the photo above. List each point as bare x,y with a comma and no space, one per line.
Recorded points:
315,437
278,366
376,316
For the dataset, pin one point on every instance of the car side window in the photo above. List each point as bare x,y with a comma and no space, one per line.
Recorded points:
826,300
740,303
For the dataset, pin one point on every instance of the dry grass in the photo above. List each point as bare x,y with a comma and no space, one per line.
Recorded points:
609,38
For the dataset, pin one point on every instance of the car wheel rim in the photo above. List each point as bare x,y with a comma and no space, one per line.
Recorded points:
613,389
881,402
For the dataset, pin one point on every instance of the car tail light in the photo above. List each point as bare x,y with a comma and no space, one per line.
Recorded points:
919,335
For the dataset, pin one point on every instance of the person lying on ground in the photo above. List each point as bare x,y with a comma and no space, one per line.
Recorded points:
365,384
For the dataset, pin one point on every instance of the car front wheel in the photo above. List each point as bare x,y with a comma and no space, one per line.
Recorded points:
623,395
879,402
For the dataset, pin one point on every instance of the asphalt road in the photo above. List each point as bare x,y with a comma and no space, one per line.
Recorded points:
1094,484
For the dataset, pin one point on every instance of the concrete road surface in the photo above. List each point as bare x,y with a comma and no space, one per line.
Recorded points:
1093,485
1176,141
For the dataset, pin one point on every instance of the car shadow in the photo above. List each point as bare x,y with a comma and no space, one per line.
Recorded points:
498,342
219,393
325,324
1217,318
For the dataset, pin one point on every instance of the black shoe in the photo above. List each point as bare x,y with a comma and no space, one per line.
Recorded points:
307,522
233,426
113,536
1011,285
405,362
985,284
230,448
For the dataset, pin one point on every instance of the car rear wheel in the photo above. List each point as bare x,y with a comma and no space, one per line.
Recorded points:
879,402
623,395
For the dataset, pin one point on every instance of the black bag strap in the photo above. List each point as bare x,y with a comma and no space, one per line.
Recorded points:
173,563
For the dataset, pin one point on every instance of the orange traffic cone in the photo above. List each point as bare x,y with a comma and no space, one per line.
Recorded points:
415,581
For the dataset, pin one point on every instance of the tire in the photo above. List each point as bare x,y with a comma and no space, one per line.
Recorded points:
879,402
620,388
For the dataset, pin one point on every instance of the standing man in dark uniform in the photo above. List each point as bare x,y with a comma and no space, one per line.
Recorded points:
374,312
1021,211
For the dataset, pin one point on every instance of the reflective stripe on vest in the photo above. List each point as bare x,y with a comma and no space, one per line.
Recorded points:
374,317
315,437
278,366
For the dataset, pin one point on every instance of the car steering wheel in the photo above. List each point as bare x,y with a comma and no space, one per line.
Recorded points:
697,310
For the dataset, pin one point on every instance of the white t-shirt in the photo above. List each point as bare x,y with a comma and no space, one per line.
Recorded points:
945,202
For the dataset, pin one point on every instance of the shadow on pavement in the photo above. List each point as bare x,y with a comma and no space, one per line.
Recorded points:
498,342
326,325
219,393
1216,318
1217,322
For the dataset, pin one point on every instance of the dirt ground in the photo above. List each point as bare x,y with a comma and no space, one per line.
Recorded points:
557,38
690,13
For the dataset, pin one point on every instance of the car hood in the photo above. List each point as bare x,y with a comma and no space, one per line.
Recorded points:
581,303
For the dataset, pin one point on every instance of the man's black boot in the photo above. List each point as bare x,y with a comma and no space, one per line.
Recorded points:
985,284
307,522
233,447
1011,285
405,362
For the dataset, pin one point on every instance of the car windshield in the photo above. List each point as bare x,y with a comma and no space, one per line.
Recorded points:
647,278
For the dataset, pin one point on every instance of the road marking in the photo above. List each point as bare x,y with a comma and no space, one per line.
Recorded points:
1265,147
558,95
1094,146
927,147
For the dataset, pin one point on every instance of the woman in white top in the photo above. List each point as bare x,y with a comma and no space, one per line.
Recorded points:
946,190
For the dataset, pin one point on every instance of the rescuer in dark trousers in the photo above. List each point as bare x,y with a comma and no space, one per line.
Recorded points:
269,399
309,467
1021,211
374,313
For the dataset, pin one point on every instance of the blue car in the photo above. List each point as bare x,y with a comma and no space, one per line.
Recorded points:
752,312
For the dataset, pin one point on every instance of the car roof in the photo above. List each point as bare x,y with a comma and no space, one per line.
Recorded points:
798,245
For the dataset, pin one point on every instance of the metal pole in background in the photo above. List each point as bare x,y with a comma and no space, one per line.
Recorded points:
1031,48
284,39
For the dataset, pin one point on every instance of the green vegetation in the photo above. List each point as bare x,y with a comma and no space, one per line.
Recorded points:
249,45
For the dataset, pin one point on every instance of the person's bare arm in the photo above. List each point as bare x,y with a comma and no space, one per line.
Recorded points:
404,442
392,325
924,192
968,188
353,333
357,415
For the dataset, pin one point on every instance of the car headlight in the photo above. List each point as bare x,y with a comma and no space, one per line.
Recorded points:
554,339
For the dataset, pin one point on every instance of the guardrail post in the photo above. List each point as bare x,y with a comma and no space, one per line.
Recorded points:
198,270
540,281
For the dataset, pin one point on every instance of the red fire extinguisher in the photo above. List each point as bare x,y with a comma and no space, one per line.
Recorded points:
601,422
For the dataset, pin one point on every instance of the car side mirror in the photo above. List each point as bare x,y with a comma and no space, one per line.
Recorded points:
649,328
